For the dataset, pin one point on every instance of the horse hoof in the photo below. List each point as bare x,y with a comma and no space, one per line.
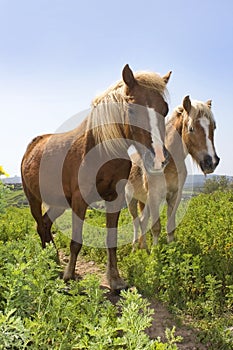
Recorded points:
118,291
67,276
118,285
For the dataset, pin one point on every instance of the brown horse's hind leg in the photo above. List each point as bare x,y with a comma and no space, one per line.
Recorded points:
49,217
79,208
36,210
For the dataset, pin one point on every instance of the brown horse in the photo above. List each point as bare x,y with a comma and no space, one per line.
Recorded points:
190,130
91,163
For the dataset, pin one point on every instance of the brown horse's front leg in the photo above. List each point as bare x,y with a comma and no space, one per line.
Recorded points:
78,214
69,272
116,283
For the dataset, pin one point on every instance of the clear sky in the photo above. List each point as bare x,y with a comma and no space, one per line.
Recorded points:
56,55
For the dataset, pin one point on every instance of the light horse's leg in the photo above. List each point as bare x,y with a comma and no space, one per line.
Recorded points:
116,283
133,204
157,194
133,210
144,218
173,200
79,207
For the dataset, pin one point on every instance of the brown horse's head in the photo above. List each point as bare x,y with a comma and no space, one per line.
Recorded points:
147,109
198,133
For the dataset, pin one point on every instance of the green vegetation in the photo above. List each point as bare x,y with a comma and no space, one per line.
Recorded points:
39,311
193,276
218,183
15,196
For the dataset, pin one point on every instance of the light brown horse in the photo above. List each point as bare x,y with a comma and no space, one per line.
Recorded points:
91,163
190,130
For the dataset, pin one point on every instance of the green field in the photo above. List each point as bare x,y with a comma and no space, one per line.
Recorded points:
193,276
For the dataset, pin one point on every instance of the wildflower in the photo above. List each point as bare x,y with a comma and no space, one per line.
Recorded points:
2,171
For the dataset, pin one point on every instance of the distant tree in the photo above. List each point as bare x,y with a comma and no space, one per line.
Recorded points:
218,183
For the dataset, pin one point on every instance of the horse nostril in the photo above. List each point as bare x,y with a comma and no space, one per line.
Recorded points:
208,161
217,160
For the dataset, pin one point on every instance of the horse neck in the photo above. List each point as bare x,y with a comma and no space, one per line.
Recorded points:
110,134
174,131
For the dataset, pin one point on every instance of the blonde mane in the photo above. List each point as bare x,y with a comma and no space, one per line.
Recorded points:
199,108
203,109
110,110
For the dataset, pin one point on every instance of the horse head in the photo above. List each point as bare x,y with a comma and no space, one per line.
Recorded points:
147,110
198,133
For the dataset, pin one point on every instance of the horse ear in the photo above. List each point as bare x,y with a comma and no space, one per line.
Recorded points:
209,103
187,104
128,76
166,77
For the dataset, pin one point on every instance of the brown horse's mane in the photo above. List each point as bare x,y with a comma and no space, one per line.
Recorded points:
116,93
109,110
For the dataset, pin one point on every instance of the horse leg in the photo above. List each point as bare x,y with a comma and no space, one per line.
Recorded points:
156,225
145,214
116,283
173,202
156,197
49,217
36,211
79,207
132,206
156,230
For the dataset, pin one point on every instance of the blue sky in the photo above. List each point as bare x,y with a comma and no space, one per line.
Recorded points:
56,55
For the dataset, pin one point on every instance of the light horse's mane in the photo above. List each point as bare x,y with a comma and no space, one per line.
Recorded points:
111,109
200,108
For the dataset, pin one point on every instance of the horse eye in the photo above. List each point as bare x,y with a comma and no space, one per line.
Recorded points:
190,129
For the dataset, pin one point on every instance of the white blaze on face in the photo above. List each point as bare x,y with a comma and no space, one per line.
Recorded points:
209,145
156,138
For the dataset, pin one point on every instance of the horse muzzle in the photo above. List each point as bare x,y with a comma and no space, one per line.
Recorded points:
152,165
208,164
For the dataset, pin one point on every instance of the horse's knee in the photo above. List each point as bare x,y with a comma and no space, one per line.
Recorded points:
171,237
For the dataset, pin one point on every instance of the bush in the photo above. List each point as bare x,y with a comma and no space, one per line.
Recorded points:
218,183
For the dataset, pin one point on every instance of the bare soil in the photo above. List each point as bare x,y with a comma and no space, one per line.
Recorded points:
162,318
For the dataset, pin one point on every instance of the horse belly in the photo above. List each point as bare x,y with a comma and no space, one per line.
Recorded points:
112,178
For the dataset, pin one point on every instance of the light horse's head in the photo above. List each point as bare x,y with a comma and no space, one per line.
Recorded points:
198,133
147,110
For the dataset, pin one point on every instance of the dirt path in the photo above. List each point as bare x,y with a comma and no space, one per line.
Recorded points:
162,318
